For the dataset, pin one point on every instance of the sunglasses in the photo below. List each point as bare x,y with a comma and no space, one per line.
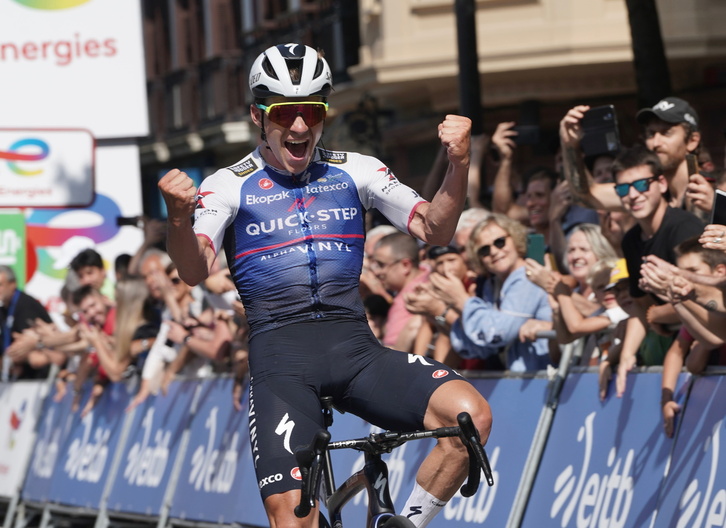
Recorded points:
485,251
622,189
285,114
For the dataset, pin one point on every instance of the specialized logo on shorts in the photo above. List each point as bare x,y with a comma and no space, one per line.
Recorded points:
269,480
333,157
200,197
247,166
441,373
285,428
295,473
265,184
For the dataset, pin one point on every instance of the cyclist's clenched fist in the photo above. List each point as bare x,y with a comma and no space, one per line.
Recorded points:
179,193
455,136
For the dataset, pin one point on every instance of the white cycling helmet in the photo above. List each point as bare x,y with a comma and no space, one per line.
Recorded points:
270,73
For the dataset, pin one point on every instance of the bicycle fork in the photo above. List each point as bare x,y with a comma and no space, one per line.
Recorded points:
374,478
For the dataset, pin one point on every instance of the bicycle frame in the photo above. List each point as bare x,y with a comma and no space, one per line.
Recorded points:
317,469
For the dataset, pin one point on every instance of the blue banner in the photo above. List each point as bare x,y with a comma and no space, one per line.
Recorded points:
151,450
82,471
604,461
217,482
55,423
694,494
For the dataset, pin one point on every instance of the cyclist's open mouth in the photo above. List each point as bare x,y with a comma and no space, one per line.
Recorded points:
297,149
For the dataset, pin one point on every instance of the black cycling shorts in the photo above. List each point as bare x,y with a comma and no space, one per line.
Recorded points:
293,366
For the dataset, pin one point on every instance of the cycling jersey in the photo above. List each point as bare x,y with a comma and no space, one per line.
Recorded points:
294,244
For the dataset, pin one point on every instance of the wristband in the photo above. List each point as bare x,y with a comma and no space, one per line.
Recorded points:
666,395
441,319
187,338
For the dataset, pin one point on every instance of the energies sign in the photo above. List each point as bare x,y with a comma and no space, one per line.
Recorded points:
73,63
46,168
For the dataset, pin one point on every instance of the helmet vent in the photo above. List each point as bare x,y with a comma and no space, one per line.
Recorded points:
268,69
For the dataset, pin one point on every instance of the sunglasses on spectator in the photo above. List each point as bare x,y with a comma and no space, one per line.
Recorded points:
642,185
285,114
485,251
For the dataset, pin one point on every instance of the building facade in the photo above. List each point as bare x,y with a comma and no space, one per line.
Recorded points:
396,73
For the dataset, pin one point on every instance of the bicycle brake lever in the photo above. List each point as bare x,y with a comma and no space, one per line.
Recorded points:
310,471
477,456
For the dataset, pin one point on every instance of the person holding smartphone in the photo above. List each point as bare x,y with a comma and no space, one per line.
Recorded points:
670,130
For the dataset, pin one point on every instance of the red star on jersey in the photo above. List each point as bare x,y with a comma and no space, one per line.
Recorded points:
201,195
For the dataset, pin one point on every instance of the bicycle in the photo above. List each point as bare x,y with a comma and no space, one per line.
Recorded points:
316,470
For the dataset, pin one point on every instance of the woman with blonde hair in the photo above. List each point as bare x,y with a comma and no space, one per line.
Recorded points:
508,311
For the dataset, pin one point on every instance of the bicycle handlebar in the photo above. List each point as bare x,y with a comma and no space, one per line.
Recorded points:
310,458
478,460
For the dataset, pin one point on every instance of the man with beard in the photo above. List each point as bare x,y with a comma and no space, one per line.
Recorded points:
670,130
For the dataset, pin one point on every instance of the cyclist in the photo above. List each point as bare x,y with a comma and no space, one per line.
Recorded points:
290,218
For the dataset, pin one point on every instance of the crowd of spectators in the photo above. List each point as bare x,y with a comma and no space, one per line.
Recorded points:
633,269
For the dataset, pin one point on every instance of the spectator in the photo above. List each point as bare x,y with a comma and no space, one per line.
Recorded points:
90,270
671,132
17,312
642,188
396,264
433,339
698,342
509,311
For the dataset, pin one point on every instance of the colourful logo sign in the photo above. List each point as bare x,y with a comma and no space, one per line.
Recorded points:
39,150
51,4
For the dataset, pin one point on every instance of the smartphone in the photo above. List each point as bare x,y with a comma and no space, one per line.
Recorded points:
600,131
536,247
526,134
692,164
718,213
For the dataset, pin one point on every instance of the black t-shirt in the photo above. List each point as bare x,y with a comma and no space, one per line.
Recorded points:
25,312
678,225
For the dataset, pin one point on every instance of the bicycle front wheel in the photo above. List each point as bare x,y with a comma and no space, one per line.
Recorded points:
398,521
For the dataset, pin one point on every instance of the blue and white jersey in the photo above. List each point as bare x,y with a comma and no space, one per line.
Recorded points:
295,243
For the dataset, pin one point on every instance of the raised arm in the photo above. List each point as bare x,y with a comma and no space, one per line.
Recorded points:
435,222
585,190
503,194
192,255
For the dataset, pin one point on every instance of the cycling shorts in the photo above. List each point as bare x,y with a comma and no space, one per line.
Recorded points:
292,367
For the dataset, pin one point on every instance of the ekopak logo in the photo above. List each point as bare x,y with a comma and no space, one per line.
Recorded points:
51,4
25,150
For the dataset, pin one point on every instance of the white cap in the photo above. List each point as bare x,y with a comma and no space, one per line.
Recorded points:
70,248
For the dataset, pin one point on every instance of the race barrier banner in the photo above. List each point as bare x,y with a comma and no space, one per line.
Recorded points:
695,493
20,406
604,464
152,447
605,460
85,459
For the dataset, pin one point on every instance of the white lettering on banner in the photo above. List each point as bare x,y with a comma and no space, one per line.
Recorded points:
691,497
46,451
475,509
86,460
301,217
145,464
213,470
10,244
607,496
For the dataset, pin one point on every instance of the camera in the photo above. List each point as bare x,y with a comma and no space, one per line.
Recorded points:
136,221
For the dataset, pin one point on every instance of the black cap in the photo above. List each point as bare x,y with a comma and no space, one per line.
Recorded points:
670,110
436,251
